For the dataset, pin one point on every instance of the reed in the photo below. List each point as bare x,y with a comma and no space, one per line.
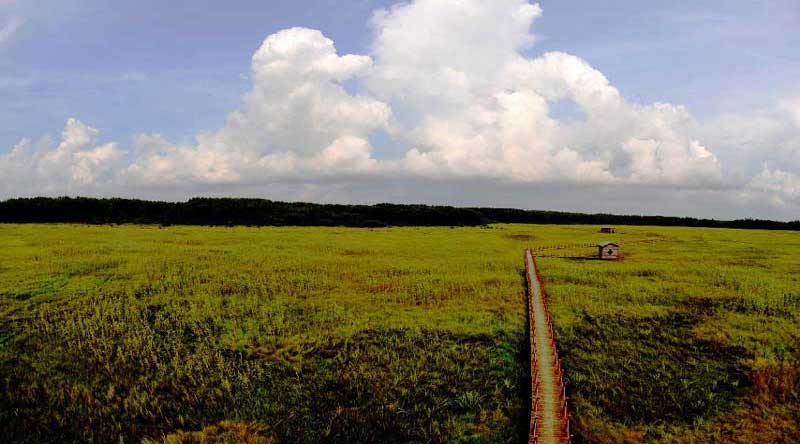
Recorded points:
127,333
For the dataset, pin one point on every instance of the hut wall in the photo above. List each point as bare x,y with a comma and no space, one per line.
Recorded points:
609,252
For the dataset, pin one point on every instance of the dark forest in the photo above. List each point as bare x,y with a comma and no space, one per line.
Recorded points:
262,212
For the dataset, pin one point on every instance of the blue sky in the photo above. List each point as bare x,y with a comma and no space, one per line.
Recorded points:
174,67
178,68
138,66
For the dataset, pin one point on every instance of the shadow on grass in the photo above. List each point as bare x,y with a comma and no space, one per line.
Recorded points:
389,386
651,370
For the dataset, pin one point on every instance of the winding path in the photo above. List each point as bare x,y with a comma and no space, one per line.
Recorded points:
549,418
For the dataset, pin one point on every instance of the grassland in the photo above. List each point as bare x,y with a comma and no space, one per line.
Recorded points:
131,333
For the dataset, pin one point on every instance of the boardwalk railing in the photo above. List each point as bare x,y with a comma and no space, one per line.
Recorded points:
549,417
536,249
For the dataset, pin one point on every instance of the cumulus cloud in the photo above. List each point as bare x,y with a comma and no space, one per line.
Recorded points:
452,84
773,137
297,121
745,141
782,186
10,28
792,108
472,104
76,164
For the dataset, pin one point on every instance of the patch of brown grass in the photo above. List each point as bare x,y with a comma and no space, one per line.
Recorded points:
225,432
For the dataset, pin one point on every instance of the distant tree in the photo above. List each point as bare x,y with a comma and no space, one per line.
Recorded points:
261,212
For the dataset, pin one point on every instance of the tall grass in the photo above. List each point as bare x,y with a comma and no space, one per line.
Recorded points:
125,333
675,342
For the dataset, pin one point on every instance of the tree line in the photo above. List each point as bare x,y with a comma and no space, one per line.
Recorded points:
262,212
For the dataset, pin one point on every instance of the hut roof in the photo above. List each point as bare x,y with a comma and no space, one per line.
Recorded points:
607,244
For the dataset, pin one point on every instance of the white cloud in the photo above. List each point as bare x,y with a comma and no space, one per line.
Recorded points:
297,112
76,164
451,82
783,187
792,108
473,104
745,141
10,28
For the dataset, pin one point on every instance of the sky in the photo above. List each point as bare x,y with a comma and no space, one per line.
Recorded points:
679,108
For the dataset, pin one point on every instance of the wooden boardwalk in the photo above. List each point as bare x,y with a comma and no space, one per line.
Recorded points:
549,417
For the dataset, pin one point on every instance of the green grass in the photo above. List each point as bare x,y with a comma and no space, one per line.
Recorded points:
694,338
125,333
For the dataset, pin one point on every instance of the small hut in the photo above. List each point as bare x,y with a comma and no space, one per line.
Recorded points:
608,251
609,230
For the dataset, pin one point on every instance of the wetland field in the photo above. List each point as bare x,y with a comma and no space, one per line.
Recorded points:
138,333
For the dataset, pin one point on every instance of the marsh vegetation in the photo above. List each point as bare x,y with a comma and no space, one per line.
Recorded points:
132,333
